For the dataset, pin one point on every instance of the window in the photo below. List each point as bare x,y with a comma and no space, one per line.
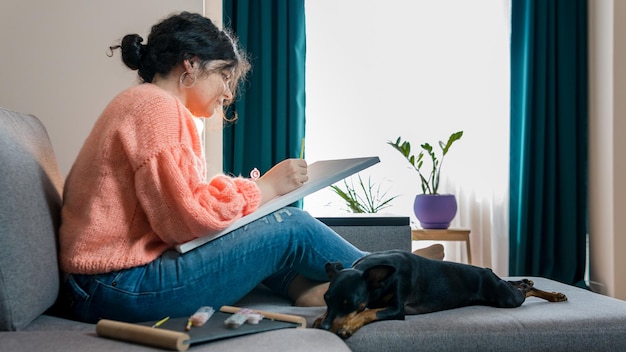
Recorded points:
422,69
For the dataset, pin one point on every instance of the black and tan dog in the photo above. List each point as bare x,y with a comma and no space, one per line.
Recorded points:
388,285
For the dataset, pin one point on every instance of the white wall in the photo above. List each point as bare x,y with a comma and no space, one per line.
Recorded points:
607,190
54,64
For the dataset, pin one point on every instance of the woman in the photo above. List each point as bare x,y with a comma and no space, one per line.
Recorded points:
138,188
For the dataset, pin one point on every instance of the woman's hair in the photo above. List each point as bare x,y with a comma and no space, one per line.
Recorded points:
181,37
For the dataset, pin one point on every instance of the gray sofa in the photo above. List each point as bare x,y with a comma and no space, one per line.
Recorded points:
30,200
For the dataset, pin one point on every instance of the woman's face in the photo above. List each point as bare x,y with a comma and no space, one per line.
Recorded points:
206,98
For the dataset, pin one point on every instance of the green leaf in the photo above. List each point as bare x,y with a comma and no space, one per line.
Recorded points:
367,198
429,185
453,138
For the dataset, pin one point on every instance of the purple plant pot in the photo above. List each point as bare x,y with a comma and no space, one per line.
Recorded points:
435,211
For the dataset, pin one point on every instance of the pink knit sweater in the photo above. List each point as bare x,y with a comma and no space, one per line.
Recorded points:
138,186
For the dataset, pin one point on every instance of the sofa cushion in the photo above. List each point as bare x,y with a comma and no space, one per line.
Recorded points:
30,203
293,340
586,322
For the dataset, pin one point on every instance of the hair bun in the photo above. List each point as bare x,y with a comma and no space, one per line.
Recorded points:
132,50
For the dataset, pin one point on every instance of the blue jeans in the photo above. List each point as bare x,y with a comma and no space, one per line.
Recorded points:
271,250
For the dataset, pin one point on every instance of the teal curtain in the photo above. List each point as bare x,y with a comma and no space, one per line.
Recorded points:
270,108
548,171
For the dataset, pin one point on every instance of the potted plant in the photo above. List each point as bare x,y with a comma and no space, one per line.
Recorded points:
433,210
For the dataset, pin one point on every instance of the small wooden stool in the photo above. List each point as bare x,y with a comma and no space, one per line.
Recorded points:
444,235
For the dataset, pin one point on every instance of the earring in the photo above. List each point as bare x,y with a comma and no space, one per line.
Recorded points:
183,76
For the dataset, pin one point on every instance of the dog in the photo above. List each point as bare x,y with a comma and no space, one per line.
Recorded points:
388,285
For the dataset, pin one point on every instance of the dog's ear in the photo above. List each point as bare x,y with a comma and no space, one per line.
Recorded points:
375,275
333,268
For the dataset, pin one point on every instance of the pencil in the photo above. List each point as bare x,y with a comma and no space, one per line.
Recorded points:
160,322
302,149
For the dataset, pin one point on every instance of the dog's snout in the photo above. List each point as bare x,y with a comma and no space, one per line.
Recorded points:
326,323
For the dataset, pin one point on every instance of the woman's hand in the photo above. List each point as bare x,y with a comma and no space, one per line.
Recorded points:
283,178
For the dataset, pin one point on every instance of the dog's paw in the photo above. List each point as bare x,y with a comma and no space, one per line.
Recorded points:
559,297
348,328
344,333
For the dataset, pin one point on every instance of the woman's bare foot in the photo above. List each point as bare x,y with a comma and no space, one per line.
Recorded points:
432,252
307,293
